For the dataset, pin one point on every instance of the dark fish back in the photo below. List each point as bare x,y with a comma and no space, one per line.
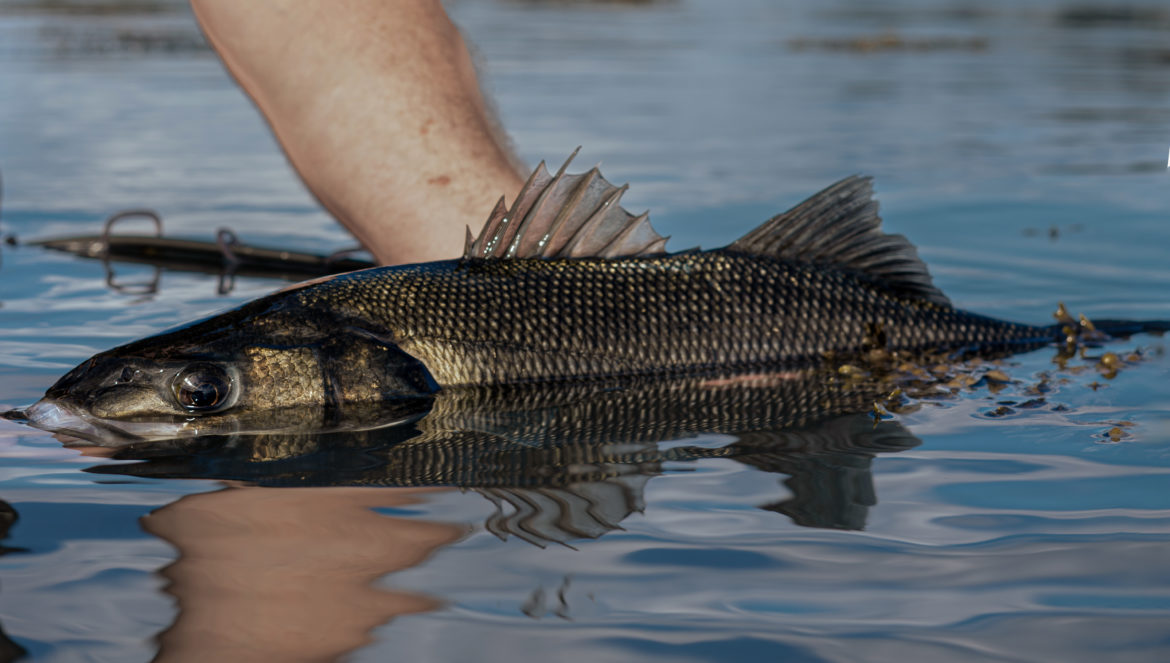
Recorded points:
490,321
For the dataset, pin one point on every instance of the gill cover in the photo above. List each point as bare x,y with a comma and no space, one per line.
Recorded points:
272,364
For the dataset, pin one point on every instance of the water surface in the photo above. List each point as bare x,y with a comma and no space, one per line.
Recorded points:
1021,146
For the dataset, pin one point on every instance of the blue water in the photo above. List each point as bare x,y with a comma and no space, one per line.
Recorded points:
1028,170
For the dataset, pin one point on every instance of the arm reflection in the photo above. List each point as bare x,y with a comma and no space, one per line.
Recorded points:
272,574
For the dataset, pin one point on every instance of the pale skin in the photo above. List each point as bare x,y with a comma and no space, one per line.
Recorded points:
289,574
377,105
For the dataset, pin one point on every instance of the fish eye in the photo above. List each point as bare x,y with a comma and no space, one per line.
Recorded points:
202,387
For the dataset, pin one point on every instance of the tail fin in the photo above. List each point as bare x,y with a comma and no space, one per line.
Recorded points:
1105,329
1130,327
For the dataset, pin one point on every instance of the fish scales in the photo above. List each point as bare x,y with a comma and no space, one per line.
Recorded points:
485,322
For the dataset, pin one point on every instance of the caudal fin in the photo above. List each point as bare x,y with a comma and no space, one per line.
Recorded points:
1104,330
1117,328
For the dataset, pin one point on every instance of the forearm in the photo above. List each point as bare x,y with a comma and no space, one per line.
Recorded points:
377,105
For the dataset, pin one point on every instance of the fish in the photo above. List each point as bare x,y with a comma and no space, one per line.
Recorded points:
563,285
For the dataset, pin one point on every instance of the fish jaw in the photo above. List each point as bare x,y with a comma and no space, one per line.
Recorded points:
59,416
18,415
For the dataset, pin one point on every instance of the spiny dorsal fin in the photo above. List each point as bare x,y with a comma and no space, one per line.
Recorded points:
840,226
565,216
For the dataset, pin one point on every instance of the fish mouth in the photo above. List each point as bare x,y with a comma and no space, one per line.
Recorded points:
18,415
60,417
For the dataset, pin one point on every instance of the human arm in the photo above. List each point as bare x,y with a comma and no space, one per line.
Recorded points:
377,105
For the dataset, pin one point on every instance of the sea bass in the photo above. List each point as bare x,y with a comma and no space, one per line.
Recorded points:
564,285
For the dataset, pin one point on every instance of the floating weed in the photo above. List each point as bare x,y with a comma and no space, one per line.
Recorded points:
879,414
1001,411
914,380
1117,433
997,376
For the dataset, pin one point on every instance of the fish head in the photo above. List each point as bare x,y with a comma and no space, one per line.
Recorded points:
260,368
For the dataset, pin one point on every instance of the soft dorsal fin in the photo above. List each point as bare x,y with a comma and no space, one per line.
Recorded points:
565,216
840,226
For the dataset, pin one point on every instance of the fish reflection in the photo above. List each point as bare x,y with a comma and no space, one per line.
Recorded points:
281,572
571,462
